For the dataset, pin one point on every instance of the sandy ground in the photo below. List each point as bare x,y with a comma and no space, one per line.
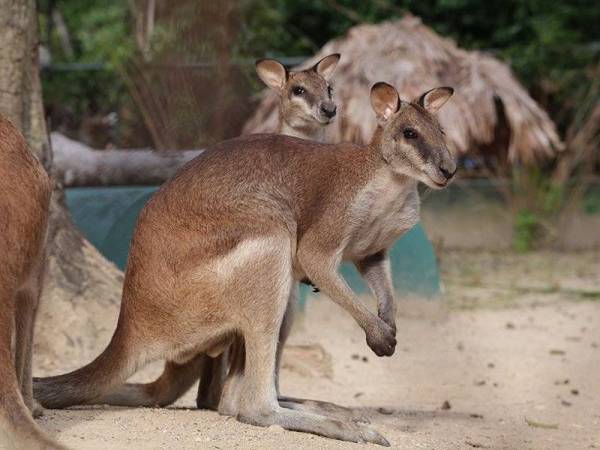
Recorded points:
509,359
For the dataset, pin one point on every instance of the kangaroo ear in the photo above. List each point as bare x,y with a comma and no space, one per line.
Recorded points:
327,65
434,99
272,72
384,100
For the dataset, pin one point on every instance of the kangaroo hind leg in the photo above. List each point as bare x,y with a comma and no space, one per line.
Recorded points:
258,402
264,308
18,430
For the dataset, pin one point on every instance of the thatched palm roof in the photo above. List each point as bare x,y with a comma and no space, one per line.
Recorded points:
490,111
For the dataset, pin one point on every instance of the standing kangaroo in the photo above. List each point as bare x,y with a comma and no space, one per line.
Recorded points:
24,201
306,107
217,250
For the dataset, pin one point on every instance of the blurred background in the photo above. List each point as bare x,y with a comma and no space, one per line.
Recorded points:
180,75
502,272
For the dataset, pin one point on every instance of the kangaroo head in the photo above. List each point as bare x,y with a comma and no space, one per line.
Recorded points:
305,97
411,139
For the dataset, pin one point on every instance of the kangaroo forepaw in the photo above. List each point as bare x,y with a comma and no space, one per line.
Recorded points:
381,339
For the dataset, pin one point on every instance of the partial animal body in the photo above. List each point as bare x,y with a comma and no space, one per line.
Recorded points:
24,202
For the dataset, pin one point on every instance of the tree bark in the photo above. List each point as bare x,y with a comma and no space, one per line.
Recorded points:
82,290
76,164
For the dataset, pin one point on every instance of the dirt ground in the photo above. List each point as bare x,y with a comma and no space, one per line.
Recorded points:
509,358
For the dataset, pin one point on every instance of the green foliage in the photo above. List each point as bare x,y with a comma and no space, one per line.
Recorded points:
541,38
548,43
591,203
540,205
104,35
526,227
81,93
100,31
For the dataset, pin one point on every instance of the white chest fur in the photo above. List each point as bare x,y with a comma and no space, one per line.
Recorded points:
385,209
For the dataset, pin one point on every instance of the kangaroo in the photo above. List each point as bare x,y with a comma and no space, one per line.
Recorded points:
306,102
24,203
306,107
217,249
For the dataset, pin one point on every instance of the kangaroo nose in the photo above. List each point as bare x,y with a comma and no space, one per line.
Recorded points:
328,110
448,170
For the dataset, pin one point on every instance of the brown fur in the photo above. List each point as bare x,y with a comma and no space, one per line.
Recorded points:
216,251
24,202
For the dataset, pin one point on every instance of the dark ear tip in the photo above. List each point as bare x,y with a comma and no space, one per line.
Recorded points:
449,89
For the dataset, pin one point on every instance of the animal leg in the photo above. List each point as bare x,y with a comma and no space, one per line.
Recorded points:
26,311
228,403
258,403
18,430
212,380
175,381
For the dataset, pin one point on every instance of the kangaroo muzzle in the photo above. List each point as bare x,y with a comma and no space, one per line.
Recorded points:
448,168
328,109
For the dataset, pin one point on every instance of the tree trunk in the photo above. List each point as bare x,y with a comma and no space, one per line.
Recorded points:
76,164
82,290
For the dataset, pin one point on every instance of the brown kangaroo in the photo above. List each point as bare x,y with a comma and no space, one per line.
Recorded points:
217,249
24,201
306,106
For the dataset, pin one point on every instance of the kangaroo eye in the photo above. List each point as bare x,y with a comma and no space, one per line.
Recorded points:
298,90
409,133
330,91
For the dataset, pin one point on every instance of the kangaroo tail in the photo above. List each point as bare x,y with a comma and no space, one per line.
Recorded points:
175,381
86,385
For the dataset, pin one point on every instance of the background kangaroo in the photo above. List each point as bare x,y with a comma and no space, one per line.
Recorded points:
306,107
24,202
217,250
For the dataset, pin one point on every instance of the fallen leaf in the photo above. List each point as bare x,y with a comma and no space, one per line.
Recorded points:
535,424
